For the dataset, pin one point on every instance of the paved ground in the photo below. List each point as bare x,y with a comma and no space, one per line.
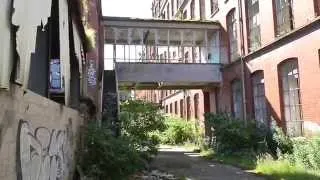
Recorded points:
186,164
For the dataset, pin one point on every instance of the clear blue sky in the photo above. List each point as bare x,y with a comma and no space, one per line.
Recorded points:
127,8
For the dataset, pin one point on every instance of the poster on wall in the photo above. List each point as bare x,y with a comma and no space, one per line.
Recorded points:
56,80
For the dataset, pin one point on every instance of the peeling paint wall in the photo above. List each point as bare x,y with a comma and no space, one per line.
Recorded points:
5,44
27,19
64,47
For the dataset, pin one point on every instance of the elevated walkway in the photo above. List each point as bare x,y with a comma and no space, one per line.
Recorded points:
163,54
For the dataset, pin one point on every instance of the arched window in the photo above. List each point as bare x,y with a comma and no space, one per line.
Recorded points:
291,102
237,99
196,106
259,99
232,34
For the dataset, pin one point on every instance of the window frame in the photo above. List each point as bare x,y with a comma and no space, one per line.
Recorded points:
258,84
288,92
232,31
253,28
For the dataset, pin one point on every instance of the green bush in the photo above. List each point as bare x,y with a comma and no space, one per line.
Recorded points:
179,131
232,135
139,120
106,157
306,153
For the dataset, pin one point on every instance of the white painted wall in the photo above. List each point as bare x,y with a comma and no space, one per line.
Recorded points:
5,45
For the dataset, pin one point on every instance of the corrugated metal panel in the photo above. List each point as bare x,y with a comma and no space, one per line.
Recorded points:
64,47
5,45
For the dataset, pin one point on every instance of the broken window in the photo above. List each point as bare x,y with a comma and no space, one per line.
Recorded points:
253,24
284,17
232,33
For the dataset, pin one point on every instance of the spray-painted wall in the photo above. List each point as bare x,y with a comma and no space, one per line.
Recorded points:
38,137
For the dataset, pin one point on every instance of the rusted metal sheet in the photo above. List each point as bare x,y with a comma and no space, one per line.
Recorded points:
6,44
28,19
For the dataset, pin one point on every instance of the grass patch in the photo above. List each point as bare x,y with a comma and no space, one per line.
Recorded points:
241,160
282,169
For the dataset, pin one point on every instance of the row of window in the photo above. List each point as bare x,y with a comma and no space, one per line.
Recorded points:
169,108
289,93
284,23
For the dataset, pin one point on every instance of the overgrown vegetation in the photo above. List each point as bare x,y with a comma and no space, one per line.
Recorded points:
269,152
107,157
179,131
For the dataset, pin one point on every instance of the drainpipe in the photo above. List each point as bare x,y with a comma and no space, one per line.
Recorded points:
242,63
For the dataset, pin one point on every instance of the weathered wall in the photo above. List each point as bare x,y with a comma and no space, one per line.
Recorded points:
173,73
38,137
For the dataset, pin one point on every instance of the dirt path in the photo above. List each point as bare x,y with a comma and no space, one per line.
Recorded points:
186,164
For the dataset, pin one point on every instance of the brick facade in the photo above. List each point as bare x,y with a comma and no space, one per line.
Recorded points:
300,42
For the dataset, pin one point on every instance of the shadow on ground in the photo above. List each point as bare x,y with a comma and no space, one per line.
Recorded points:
191,166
